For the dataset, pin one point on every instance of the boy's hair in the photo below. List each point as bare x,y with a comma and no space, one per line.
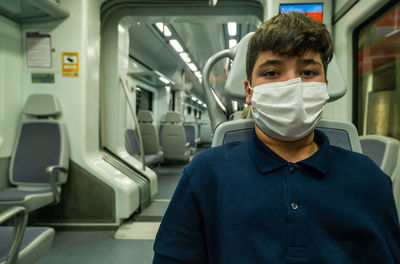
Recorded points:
289,34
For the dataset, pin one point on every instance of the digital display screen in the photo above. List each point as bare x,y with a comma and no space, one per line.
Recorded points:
314,10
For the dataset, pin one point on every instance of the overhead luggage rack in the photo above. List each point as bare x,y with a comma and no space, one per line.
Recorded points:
29,11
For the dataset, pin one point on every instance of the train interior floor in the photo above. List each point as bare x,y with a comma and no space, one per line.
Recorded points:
134,239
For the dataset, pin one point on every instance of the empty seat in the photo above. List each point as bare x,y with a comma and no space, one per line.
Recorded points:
205,131
382,150
192,133
148,132
21,244
132,146
174,144
39,162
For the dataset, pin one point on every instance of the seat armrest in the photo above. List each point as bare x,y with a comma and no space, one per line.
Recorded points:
187,145
51,174
20,216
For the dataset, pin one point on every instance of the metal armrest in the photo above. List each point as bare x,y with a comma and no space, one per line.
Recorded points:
187,145
50,173
20,217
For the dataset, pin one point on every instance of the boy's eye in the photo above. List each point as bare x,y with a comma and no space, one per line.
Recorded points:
271,74
308,73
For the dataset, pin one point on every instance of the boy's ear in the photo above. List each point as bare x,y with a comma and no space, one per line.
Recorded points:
248,91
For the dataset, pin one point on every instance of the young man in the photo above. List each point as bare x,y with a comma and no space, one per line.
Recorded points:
285,195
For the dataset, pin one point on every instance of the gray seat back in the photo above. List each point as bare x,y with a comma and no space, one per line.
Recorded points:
382,150
339,133
190,134
40,143
148,132
174,137
131,142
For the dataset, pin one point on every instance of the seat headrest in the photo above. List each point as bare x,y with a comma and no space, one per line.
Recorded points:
42,105
145,116
173,117
234,86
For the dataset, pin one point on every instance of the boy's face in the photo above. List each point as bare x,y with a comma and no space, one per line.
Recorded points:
271,67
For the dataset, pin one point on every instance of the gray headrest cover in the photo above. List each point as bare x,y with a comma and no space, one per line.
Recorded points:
173,117
145,116
42,105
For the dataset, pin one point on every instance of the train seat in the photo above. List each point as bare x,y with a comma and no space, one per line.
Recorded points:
132,146
383,150
39,163
149,134
205,131
192,133
174,143
21,244
341,134
160,128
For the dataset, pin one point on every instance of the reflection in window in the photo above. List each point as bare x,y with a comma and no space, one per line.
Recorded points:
379,75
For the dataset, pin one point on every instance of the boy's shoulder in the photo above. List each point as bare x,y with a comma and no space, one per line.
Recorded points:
218,156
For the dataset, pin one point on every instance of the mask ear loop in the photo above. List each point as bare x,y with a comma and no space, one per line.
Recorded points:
250,87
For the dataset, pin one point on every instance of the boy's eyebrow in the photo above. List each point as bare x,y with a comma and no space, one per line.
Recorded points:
308,62
270,62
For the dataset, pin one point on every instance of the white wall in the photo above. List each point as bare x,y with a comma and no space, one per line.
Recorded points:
10,84
80,97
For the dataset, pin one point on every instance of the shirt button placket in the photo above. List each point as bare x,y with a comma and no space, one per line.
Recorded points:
296,227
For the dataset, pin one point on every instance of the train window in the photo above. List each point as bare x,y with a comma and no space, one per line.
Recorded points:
144,100
378,74
189,110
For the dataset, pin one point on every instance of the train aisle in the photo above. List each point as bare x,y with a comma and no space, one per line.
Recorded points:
131,243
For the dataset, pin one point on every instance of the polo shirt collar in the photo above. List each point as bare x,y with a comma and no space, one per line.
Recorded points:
266,160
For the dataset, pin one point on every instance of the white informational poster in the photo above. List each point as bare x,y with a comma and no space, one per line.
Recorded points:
38,50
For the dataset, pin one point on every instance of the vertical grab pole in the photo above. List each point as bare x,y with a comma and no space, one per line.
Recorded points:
122,81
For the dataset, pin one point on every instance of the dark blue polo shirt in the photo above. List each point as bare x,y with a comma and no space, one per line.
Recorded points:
242,203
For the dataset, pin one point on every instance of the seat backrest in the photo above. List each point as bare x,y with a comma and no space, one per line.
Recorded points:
40,143
190,134
173,135
382,150
131,142
148,132
191,130
339,133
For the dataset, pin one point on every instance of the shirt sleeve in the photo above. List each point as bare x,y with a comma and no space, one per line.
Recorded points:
181,237
392,229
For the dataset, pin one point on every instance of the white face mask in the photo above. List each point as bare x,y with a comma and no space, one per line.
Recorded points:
288,110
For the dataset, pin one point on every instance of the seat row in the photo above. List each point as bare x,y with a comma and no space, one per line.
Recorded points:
175,140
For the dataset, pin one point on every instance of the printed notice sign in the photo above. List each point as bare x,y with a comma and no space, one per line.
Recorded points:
38,50
70,64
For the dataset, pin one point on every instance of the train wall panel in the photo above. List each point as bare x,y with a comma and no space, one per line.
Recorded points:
10,84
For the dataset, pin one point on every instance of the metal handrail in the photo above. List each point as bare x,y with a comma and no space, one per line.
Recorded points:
139,134
218,116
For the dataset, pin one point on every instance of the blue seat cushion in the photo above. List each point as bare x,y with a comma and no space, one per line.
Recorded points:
14,194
